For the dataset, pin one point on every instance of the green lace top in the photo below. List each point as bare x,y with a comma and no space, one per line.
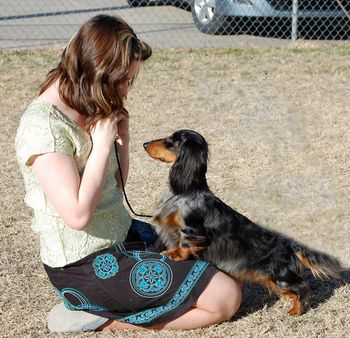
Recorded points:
44,129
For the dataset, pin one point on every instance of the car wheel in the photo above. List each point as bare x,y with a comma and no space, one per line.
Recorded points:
137,3
206,18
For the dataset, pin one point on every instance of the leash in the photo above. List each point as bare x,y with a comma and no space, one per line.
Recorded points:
123,186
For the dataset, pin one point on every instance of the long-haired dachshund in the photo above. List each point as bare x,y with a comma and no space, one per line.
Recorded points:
193,223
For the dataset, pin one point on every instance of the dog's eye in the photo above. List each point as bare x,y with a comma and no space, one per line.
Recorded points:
168,144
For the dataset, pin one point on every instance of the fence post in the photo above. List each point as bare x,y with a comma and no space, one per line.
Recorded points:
295,20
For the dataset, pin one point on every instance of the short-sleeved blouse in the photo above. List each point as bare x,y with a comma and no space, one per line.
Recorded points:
44,129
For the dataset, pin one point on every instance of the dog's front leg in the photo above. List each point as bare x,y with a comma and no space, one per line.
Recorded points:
193,241
183,252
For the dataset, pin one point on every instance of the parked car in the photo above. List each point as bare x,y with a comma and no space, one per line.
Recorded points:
215,16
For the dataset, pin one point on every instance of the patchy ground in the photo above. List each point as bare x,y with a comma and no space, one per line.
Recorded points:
278,123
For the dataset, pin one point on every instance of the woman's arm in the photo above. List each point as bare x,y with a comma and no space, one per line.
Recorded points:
75,198
123,150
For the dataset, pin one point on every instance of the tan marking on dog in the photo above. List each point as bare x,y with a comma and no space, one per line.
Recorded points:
316,270
174,220
180,253
157,150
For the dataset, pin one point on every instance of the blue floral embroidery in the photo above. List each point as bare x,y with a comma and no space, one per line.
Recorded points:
83,302
105,266
180,295
136,254
151,278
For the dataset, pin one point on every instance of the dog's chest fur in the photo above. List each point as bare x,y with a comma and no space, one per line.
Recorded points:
169,205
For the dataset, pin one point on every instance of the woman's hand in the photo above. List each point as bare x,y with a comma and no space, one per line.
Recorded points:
105,132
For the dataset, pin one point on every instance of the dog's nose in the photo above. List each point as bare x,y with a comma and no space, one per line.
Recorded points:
145,145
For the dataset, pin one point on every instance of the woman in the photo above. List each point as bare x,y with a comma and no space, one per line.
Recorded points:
65,149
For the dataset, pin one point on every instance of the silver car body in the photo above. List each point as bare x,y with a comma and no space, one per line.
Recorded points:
275,8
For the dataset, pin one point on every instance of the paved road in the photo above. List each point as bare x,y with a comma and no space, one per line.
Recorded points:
26,24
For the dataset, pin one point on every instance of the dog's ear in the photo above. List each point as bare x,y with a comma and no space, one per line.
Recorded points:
188,172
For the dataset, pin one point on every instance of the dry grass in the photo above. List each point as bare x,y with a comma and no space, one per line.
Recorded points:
278,123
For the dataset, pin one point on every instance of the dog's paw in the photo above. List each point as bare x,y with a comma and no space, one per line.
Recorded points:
174,254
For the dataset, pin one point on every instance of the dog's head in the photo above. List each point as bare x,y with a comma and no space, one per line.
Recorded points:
188,151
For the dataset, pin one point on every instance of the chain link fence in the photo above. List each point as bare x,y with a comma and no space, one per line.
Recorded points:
177,23
312,19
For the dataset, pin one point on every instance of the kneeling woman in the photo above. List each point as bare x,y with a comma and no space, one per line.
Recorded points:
98,259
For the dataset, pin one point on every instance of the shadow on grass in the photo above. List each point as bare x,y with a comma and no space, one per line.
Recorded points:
321,291
256,297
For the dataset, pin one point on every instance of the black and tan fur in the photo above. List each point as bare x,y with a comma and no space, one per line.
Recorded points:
193,223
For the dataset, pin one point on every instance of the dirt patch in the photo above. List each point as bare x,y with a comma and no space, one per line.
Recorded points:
277,122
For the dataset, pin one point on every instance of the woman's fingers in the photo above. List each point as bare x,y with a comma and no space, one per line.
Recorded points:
105,131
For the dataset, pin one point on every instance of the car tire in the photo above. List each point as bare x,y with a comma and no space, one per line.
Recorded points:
137,3
206,18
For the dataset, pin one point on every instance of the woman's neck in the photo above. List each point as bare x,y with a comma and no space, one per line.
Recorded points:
51,96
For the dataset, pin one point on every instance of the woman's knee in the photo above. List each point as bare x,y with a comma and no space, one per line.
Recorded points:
230,296
223,295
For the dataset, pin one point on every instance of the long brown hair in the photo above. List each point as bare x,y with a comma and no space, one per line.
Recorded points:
93,65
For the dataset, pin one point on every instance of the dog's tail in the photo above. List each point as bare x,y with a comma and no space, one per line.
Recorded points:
322,265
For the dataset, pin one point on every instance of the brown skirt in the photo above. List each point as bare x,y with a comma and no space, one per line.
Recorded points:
131,283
